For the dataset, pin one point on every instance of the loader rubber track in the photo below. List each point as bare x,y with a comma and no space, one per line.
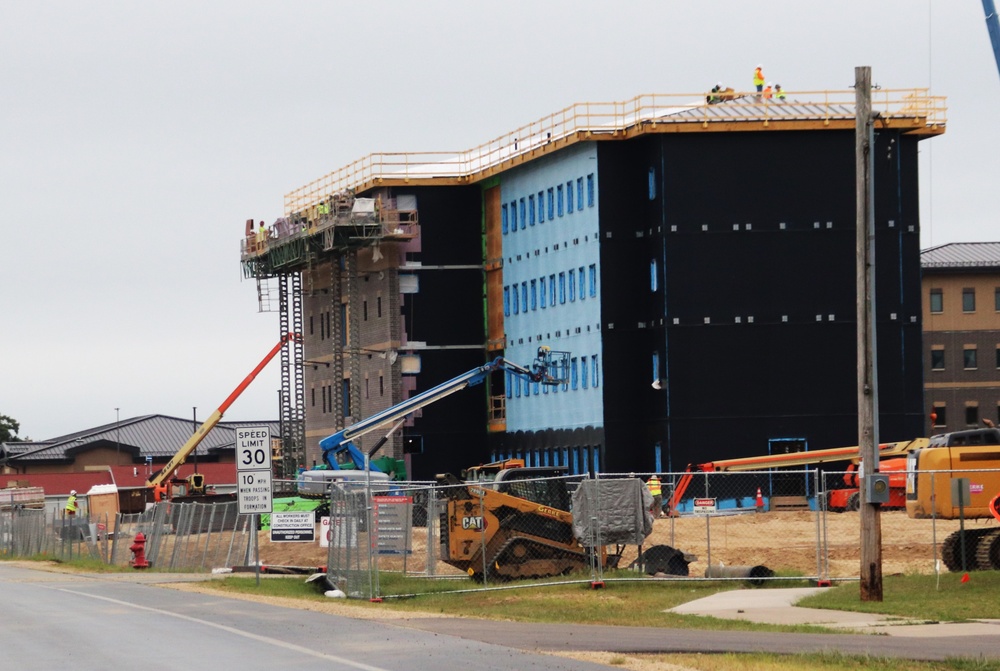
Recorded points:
988,551
951,549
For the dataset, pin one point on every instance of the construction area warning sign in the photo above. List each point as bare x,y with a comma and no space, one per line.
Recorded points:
293,527
704,506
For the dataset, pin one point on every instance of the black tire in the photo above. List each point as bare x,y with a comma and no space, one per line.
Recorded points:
854,502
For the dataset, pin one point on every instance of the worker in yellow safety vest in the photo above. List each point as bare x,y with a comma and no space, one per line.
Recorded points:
758,78
654,488
71,506
778,92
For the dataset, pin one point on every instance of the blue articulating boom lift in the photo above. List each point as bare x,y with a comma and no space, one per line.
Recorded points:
549,368
993,26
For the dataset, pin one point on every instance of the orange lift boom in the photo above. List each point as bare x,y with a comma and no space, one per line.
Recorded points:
764,462
167,471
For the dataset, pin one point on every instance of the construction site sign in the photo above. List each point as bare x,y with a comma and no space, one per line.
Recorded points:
293,527
393,520
704,506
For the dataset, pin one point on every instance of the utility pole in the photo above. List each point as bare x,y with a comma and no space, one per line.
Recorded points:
871,523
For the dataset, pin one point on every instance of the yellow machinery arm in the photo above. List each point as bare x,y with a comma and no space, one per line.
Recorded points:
167,471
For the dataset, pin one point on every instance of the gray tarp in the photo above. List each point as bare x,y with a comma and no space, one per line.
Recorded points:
607,512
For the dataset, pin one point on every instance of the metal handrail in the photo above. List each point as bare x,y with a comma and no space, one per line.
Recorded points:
615,119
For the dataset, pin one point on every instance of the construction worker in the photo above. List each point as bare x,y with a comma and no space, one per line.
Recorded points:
71,506
778,93
261,236
654,488
768,92
758,78
323,208
714,97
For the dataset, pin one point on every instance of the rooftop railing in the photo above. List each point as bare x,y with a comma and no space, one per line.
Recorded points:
914,109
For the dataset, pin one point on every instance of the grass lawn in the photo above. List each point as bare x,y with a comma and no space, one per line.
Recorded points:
642,603
924,597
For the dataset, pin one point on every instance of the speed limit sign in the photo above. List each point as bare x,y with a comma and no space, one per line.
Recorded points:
253,448
253,466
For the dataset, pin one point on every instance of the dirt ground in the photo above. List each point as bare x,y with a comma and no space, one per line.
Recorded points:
782,541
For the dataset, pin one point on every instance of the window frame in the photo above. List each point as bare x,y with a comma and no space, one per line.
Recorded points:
937,294
968,299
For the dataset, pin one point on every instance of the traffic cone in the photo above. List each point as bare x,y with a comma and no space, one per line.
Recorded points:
760,501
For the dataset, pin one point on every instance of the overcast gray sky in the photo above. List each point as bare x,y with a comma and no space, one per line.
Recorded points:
137,137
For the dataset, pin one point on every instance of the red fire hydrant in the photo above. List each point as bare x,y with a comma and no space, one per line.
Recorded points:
138,549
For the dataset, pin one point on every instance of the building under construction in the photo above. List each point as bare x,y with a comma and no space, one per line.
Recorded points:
695,257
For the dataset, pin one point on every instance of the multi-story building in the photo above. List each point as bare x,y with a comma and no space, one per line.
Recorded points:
696,261
961,287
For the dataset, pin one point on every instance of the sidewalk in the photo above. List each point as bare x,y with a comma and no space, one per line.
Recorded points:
777,606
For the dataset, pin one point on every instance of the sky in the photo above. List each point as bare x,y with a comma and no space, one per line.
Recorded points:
136,138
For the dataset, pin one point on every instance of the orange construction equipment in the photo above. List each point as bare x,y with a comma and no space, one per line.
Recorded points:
156,483
764,462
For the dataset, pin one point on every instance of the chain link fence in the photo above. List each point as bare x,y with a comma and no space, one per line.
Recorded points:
178,536
385,539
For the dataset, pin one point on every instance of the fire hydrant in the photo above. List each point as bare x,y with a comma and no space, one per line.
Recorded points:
138,549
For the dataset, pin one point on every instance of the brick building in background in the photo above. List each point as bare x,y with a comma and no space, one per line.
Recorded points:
961,289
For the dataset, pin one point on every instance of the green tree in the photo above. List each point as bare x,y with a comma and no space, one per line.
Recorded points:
8,429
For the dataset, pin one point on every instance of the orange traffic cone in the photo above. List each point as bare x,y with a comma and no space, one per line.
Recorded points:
760,501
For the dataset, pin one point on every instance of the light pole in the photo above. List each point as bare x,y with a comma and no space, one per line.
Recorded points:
118,437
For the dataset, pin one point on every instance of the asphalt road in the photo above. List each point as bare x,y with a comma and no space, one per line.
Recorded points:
52,621
551,637
115,621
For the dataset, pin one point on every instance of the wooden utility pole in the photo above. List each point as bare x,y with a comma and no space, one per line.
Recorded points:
871,524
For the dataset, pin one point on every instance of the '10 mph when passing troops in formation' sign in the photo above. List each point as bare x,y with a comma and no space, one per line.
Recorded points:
253,469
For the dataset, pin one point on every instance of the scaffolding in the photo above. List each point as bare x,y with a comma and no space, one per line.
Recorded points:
287,254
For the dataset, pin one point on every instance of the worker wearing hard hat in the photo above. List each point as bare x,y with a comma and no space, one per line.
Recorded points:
758,78
71,506
713,96
778,92
768,91
657,491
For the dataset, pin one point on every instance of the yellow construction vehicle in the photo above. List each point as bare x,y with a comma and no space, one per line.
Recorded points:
930,473
514,527
488,472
